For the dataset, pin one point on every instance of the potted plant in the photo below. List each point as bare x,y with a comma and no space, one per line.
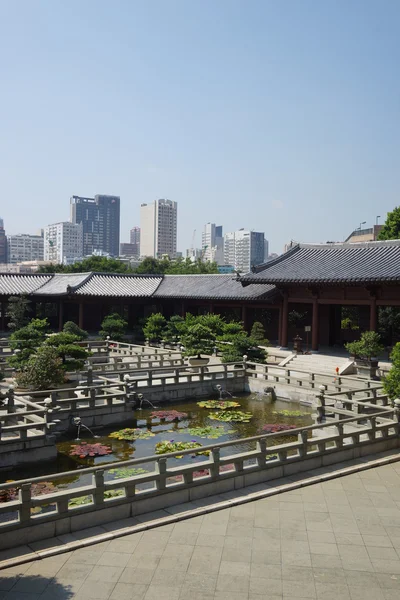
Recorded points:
365,352
198,340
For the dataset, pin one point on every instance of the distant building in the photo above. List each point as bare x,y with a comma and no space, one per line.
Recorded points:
131,250
266,250
158,228
24,247
364,235
135,239
194,254
223,269
100,218
63,243
244,249
3,243
213,243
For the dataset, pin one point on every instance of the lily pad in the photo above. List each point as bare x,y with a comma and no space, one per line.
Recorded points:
231,416
131,435
220,404
166,447
290,413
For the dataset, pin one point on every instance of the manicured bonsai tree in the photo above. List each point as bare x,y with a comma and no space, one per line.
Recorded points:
198,340
17,312
175,328
391,383
258,333
72,355
367,347
242,345
213,321
43,370
73,329
26,340
113,326
154,327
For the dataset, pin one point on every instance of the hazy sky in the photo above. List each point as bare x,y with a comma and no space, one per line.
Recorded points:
280,116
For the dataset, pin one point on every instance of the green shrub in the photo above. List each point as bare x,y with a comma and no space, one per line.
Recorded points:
258,333
73,329
198,340
368,346
175,328
113,326
17,312
72,355
154,327
239,346
391,383
26,340
43,370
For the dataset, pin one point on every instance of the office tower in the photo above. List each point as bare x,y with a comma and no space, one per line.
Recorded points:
24,247
158,228
244,249
3,243
213,243
63,242
135,240
100,218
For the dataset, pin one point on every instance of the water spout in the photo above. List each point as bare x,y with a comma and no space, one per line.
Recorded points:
77,421
223,393
142,399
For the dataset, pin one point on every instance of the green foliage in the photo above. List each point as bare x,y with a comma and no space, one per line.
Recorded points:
258,333
99,264
72,356
125,472
350,316
175,328
113,326
389,324
73,329
211,433
166,447
43,370
131,435
391,383
231,416
391,228
220,404
290,413
214,322
368,346
154,327
242,345
26,340
231,329
198,340
296,318
18,309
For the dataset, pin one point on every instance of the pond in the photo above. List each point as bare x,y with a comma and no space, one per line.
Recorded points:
197,427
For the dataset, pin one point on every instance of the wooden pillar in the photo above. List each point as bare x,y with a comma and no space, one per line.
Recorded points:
80,323
315,328
60,315
280,325
183,309
244,317
285,317
211,308
3,316
373,317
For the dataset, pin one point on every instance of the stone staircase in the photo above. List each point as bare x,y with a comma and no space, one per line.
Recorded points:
316,363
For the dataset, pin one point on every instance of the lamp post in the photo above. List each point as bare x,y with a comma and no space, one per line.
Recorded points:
377,219
361,224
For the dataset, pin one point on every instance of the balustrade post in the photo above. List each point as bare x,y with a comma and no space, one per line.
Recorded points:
98,482
53,396
25,497
150,378
215,458
340,430
262,449
92,397
161,469
201,373
10,400
372,424
302,438
321,405
89,377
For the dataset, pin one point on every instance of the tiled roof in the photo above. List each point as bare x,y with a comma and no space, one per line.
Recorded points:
114,284
209,287
62,283
359,263
14,283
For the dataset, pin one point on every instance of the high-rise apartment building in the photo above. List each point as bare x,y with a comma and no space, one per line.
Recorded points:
63,243
244,249
213,243
135,238
100,218
3,243
24,247
158,228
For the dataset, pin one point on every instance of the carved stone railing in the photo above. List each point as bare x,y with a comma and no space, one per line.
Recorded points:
22,419
315,445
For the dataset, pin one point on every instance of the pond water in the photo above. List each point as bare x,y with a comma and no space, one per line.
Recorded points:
262,411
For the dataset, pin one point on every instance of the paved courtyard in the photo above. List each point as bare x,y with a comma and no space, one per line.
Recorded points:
335,540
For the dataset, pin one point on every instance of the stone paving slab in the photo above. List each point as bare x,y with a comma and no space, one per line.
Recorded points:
336,539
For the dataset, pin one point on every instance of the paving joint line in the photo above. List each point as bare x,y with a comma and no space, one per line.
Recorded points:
202,510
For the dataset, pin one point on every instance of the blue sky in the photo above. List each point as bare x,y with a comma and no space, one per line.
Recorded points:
278,116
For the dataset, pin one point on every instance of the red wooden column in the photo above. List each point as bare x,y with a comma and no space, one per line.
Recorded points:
373,318
60,315
315,325
244,317
80,315
280,325
285,316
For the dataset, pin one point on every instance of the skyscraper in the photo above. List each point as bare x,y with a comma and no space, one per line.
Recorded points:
3,243
135,240
244,249
100,218
63,242
212,242
158,228
24,247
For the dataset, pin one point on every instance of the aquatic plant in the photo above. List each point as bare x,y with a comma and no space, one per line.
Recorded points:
276,428
131,435
290,413
84,450
220,404
37,489
171,446
124,472
83,500
211,433
231,416
168,415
